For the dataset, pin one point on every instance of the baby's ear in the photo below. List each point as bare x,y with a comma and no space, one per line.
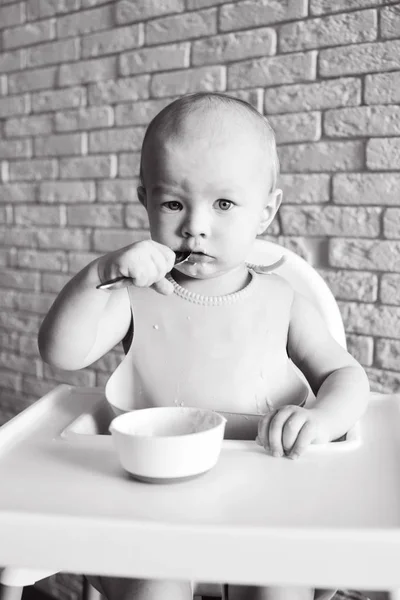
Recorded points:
141,194
270,209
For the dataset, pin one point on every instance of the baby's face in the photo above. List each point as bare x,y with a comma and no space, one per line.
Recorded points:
208,192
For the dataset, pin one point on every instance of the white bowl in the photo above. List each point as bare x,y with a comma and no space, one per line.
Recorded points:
165,444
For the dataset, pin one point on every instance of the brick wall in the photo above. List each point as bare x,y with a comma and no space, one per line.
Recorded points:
79,81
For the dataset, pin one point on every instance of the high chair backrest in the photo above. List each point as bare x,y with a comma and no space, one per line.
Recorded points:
305,280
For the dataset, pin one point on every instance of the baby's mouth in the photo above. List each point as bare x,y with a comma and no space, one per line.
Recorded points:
199,257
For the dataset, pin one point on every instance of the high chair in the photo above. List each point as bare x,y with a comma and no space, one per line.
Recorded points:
304,279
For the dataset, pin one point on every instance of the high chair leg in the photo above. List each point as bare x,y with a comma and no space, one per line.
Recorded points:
10,592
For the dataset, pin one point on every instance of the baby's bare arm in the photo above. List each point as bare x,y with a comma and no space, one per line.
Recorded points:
339,382
84,323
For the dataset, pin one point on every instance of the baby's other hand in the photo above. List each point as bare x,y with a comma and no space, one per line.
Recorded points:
145,262
289,430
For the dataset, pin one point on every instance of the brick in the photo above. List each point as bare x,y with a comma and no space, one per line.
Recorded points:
12,61
28,345
116,140
391,223
330,221
383,88
58,99
64,239
158,58
118,191
84,21
79,260
28,34
361,347
383,153
128,164
53,53
296,127
66,192
12,380
31,170
362,121
88,70
84,118
253,13
361,58
19,322
136,216
39,9
181,27
12,15
15,148
35,79
390,289
88,167
387,354
14,105
319,7
37,215
92,3
255,97
85,377
322,156
304,189
361,286
365,188
120,90
130,11
310,96
32,302
139,113
234,46
198,4
19,237
347,28
272,70
14,362
22,280
371,319
107,240
390,22
95,216
25,126
59,145
53,282
113,41
373,255
207,79
42,260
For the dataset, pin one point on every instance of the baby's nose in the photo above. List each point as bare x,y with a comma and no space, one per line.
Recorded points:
196,224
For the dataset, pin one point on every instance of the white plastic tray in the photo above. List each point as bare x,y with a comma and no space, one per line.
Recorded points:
331,518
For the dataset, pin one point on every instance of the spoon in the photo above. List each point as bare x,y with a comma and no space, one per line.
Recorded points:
122,281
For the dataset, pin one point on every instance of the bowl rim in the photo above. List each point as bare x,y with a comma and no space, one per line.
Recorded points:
112,427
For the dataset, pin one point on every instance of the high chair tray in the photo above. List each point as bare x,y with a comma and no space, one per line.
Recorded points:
332,518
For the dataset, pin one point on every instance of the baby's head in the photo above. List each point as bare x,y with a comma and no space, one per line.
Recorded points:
209,168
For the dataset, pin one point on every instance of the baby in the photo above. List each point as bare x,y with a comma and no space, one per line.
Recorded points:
217,334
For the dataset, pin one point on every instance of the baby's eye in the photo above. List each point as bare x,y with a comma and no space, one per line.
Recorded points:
173,205
224,204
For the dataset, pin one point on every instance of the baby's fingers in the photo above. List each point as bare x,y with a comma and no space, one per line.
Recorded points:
304,439
274,434
291,430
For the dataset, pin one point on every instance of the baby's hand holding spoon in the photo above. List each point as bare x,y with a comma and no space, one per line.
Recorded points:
143,264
